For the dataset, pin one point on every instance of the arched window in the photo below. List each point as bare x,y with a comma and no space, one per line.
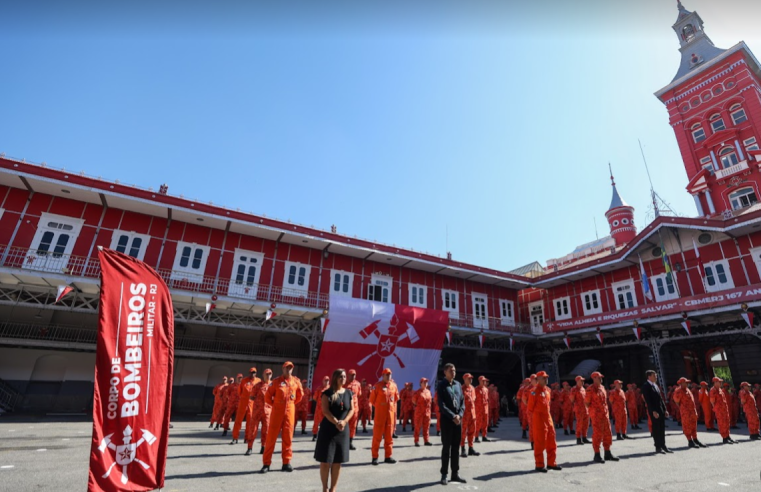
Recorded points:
728,157
688,32
738,114
698,133
717,123
743,198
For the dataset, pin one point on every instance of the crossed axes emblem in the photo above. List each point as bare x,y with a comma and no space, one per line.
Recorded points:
125,453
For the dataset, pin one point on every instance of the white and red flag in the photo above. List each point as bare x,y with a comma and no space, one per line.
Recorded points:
481,339
449,337
134,361
637,332
270,314
323,324
512,343
567,340
369,336
687,326
209,307
748,317
63,291
599,336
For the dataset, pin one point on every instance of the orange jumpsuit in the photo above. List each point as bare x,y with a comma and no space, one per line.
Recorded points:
283,394
435,408
493,405
519,403
597,399
219,408
526,393
567,408
705,402
260,413
469,416
751,411
757,396
542,426
422,402
580,410
407,409
631,406
384,398
356,390
618,402
688,411
245,404
734,405
482,411
231,406
317,410
641,410
696,397
302,413
555,404
365,410
720,410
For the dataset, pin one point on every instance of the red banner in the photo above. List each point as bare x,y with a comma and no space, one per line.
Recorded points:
133,377
641,313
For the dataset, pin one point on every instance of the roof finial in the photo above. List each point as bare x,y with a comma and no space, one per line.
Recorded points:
612,181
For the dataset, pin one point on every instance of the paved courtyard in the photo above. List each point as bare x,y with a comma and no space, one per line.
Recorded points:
43,454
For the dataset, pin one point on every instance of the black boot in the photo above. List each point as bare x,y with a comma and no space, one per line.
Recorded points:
556,468
691,444
351,445
417,444
463,454
532,445
540,470
578,441
586,441
248,452
314,437
224,433
754,437
216,427
211,425
265,469
287,468
261,450
609,456
700,444
394,436
566,432
375,461
572,431
473,452
477,439
485,439
438,432
303,431
625,436
234,441
364,431
618,437
427,443
524,434
598,458
390,461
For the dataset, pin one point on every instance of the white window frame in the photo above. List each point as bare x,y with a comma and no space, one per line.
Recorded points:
387,285
342,283
131,236
418,295
507,312
188,272
243,287
710,272
751,192
294,289
480,310
736,109
630,290
590,297
750,144
537,327
725,153
454,302
667,296
717,119
755,253
695,136
562,312
49,260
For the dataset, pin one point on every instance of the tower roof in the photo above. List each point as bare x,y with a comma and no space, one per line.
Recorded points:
616,201
695,45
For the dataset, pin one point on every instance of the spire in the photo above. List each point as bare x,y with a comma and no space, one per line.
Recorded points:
683,12
694,44
617,201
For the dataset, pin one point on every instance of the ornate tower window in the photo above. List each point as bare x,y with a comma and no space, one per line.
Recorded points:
688,32
728,157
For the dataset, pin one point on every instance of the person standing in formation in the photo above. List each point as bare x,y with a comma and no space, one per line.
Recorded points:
631,406
556,405
542,426
356,391
685,402
694,389
656,411
704,398
435,410
421,401
520,402
482,409
245,404
596,401
618,403
317,396
384,398
468,417
524,399
284,394
757,396
578,399
751,411
260,412
408,411
302,413
219,408
721,410
451,406
734,405
566,406
332,448
232,395
365,410
493,407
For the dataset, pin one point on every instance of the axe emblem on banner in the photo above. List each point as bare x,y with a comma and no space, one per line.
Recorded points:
398,330
124,454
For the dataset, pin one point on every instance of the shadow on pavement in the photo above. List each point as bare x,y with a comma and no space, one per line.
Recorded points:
210,474
503,474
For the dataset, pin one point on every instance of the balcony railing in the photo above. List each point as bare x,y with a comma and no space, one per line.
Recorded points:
81,266
729,171
489,323
68,334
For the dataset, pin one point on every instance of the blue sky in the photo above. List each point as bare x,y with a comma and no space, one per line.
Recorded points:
492,120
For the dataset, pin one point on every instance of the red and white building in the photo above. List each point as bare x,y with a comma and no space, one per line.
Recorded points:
226,268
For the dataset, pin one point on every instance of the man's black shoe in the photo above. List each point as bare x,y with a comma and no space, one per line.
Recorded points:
211,425
626,436
438,433
667,449
303,431
390,461
314,437
473,452
463,454
234,441
700,443
578,441
565,431
691,444
265,469
375,461
443,480
556,468
261,450
394,436
540,470
659,451
352,447
586,441
429,443
485,439
476,439
618,437
727,441
524,435
248,452
458,479
287,468
224,433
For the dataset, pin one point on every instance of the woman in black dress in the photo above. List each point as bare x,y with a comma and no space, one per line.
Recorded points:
333,437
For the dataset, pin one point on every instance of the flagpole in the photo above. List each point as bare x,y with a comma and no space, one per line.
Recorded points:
667,265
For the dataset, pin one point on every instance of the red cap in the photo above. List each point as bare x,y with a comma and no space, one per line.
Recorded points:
240,375
352,371
288,363
596,374
579,378
716,379
744,384
703,383
268,371
533,376
484,378
253,369
386,371
542,374
683,380
422,380
326,378
527,380
618,381
467,375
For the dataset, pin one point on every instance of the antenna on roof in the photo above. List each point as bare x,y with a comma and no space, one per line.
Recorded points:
656,198
595,221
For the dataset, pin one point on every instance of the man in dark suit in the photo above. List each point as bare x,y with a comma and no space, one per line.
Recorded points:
451,409
656,409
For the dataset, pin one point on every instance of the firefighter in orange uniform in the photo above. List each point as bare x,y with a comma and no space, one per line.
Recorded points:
751,410
421,401
245,404
734,405
482,409
384,397
284,394
408,411
555,404
318,408
631,406
260,412
493,406
596,402
704,398
617,400
520,401
435,410
685,402
524,399
365,410
720,409
566,406
302,414
356,391
578,396
757,396
232,395
218,410
469,416
542,427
